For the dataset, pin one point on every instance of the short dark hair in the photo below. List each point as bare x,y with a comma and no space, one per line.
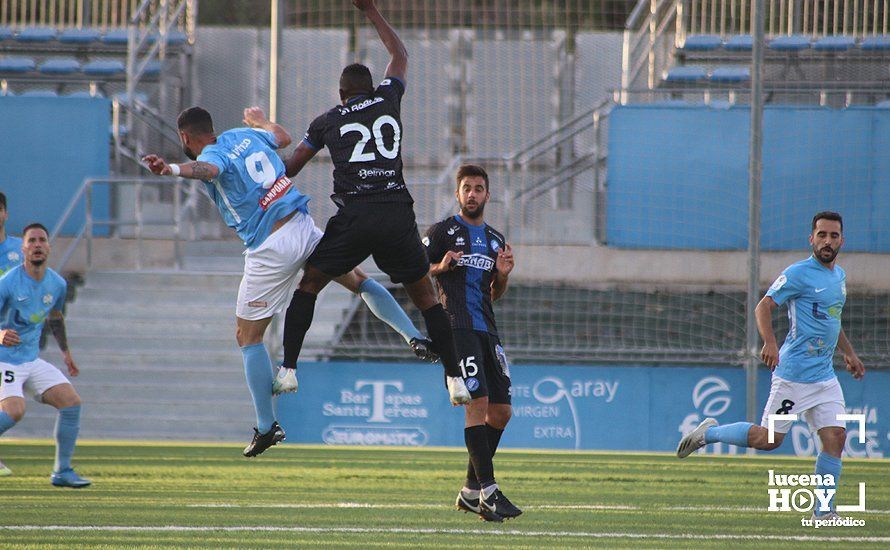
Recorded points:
195,120
3,201
34,225
470,170
356,80
828,215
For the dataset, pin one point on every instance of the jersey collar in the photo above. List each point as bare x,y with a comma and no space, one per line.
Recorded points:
461,221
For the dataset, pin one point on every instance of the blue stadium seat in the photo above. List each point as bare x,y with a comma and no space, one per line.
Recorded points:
793,43
36,34
721,104
5,33
79,36
876,43
84,93
883,104
16,65
60,65
731,74
118,36
176,38
153,68
685,74
739,43
104,68
39,93
702,42
834,43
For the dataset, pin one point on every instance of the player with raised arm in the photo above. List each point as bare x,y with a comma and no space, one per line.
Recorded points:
32,295
375,215
471,262
244,176
10,257
803,380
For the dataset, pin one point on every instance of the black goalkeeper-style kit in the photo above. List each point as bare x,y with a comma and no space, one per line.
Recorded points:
376,214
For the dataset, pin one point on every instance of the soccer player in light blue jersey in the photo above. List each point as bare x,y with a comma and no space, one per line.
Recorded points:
803,380
245,177
10,256
31,295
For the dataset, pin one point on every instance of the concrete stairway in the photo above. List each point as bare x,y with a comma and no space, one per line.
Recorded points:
158,356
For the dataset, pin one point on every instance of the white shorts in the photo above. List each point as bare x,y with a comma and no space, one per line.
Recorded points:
270,271
818,403
35,377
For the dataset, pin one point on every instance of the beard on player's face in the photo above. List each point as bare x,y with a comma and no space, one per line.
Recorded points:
188,153
472,210
825,253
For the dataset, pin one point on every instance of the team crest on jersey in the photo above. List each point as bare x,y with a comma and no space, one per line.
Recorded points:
12,256
47,299
452,230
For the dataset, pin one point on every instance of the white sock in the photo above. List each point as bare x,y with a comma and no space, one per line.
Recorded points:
487,491
470,493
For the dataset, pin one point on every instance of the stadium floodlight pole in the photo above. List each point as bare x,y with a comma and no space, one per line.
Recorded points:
755,175
275,57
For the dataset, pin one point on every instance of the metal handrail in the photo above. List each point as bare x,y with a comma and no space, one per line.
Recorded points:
86,230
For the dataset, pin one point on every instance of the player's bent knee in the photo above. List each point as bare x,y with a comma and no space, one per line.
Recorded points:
16,411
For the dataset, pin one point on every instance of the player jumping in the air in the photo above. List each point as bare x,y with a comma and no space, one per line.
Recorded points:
245,178
803,380
30,295
376,214
471,262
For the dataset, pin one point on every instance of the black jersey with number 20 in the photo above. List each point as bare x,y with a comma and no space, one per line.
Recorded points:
364,139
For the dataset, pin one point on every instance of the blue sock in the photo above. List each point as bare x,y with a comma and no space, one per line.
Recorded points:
734,434
67,427
6,422
827,464
384,307
258,371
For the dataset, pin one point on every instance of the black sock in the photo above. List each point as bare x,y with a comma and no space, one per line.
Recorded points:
494,437
438,326
480,455
297,321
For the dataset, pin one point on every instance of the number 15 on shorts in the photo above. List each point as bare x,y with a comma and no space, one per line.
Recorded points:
468,366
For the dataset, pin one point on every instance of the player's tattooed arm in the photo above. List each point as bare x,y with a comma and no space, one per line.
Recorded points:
195,170
56,324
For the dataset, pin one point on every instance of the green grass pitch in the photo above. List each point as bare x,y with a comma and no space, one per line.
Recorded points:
208,496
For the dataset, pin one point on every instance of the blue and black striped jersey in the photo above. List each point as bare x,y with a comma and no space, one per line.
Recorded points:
466,290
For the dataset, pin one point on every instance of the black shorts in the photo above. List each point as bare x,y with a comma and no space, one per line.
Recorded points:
385,230
483,365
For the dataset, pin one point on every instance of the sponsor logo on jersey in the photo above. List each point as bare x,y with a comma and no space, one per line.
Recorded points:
479,261
425,241
278,189
257,303
14,257
47,299
365,173
779,283
236,151
459,241
472,384
494,245
360,105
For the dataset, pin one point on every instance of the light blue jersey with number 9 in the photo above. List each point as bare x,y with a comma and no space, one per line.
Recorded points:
251,190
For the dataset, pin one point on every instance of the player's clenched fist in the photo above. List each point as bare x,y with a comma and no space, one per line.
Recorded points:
254,117
9,337
770,355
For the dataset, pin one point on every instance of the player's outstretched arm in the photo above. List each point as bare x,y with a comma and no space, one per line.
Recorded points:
256,118
398,63
56,322
196,170
298,159
851,360
763,314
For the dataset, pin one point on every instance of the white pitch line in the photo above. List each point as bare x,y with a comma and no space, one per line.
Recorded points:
423,531
434,506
